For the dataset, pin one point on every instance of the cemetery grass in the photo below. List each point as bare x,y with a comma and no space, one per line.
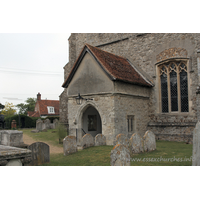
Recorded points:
49,136
100,156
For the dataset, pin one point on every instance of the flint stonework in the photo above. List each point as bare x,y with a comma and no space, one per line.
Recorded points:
120,156
100,140
40,153
136,143
87,141
69,145
196,145
149,141
121,139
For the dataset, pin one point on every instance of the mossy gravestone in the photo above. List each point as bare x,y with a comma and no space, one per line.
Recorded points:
121,139
69,145
136,143
120,156
149,141
87,141
100,140
40,153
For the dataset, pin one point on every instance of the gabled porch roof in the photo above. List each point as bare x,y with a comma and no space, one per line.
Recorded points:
117,68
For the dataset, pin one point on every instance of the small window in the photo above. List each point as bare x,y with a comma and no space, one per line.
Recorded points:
130,123
174,86
51,110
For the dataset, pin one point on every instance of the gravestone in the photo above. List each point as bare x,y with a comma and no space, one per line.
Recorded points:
39,123
69,145
120,156
12,138
196,146
40,153
136,143
46,124
121,139
87,141
100,140
149,141
55,123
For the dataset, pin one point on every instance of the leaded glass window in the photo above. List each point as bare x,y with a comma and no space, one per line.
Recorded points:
174,87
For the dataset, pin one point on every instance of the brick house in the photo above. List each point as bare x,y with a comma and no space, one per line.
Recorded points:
131,83
44,108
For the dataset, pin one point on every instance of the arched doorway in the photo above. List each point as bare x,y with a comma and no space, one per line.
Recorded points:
91,121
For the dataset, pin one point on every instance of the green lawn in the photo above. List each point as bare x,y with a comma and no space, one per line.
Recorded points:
49,136
175,152
100,156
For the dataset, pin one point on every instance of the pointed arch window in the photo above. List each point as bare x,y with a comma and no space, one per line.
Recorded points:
174,87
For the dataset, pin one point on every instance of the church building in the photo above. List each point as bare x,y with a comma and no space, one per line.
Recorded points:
127,82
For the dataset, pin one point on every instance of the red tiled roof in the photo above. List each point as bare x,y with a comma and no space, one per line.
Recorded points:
117,67
33,114
43,106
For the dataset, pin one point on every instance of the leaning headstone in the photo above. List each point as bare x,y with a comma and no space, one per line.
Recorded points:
196,146
87,141
121,139
40,153
136,143
149,141
12,138
39,123
69,145
120,156
100,140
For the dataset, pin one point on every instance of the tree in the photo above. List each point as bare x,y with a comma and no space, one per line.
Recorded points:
29,106
1,107
8,109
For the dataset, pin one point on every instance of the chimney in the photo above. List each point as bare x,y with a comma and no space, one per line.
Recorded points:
38,96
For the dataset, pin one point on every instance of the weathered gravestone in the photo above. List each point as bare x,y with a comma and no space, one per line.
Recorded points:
12,138
55,123
136,143
40,153
46,124
149,141
121,139
69,145
87,141
120,156
39,123
196,146
100,140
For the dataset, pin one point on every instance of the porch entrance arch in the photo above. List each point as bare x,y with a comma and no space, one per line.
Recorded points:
89,121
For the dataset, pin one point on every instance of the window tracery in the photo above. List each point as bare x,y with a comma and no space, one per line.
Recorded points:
174,86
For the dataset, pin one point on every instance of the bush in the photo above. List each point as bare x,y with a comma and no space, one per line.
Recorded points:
61,131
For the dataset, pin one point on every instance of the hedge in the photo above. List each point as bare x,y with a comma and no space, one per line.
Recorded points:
25,121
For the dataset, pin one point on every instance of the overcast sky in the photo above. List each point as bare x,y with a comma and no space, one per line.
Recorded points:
32,63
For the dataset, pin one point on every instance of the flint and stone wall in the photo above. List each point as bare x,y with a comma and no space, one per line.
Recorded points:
144,51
